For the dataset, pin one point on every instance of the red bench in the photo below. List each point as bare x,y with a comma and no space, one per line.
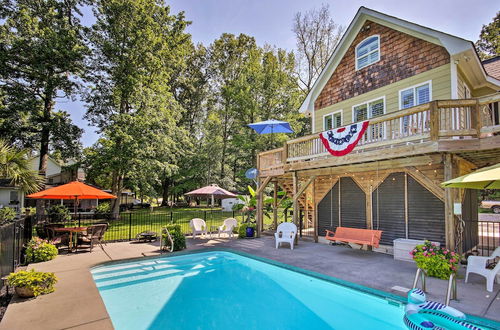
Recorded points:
354,235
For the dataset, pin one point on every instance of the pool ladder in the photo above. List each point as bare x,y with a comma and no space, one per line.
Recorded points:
451,292
163,246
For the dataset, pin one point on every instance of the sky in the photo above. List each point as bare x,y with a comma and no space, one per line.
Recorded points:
270,21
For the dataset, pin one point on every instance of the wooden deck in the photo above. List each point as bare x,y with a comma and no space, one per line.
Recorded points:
467,127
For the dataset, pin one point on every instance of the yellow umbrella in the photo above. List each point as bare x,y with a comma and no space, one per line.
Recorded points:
484,178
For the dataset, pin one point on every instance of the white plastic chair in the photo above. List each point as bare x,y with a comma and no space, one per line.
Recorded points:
477,265
288,232
228,226
198,226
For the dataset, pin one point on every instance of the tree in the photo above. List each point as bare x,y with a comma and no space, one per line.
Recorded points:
317,35
488,44
15,166
137,46
41,59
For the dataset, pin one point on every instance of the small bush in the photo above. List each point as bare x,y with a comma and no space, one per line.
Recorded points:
177,236
103,208
38,250
38,282
242,229
435,261
7,214
58,213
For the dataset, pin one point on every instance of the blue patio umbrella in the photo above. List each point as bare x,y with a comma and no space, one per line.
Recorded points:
271,126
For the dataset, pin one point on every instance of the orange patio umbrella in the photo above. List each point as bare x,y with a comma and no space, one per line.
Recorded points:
74,190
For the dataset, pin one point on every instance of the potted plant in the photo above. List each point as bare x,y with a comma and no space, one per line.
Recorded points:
435,261
32,283
38,250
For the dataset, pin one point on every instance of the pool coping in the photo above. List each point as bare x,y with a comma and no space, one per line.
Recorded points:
390,297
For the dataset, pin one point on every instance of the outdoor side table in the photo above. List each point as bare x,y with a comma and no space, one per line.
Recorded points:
147,236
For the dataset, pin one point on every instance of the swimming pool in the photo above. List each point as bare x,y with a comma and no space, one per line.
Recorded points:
223,290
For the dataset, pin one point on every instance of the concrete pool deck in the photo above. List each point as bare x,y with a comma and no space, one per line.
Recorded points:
76,303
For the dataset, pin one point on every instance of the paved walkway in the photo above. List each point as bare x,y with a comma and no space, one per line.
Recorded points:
76,303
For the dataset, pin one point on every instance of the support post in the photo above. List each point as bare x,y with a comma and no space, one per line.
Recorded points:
260,213
434,117
295,188
275,205
315,212
449,217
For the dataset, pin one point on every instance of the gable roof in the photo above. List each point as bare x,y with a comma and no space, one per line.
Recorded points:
492,67
455,46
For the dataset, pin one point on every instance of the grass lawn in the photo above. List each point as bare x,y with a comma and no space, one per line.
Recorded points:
134,222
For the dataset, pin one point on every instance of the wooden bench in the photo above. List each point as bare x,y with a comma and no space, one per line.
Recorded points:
354,235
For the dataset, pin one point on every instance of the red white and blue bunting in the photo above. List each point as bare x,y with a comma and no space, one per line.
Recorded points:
341,141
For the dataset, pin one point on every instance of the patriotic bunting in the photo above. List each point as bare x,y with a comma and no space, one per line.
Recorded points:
341,141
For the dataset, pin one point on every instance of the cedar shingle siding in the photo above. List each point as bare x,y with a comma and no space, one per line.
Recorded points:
401,56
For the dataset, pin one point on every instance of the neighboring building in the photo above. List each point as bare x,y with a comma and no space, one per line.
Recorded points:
433,112
10,196
227,204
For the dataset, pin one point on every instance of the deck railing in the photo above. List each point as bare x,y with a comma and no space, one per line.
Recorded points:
436,120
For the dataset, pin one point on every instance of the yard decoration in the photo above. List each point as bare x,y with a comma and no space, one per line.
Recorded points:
39,250
341,141
32,283
436,261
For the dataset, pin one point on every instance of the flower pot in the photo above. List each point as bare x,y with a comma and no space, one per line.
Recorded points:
24,292
250,231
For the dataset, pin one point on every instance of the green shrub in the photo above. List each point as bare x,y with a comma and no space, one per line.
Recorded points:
177,236
38,282
242,229
58,213
103,208
435,261
7,214
38,250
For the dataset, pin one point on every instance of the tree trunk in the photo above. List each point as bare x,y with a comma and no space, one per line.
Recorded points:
116,189
44,146
165,188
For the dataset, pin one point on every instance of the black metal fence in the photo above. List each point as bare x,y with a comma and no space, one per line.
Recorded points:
13,237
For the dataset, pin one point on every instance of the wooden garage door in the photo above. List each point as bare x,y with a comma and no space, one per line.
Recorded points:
352,204
328,211
425,214
388,202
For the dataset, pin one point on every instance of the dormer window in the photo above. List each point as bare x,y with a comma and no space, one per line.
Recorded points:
367,52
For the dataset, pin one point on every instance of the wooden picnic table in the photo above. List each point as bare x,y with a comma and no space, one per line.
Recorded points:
71,230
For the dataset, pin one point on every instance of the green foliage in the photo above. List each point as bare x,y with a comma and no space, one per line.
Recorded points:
488,44
42,59
7,214
103,208
177,236
15,166
435,261
38,282
39,250
58,213
242,229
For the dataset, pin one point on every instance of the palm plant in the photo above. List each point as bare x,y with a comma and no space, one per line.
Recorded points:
14,165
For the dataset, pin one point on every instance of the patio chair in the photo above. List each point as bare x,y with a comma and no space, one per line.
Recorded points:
478,265
94,235
57,238
198,226
228,226
285,233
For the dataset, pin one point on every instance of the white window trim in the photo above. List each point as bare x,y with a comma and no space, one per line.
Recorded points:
368,109
331,114
356,52
414,87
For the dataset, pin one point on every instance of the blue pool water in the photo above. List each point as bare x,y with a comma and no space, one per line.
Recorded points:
222,290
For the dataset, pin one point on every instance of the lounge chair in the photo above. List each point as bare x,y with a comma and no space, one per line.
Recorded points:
285,233
478,265
94,235
198,226
228,226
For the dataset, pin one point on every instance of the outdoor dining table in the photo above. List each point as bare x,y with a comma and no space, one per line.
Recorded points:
71,230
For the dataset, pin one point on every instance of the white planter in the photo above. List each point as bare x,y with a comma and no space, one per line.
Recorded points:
403,246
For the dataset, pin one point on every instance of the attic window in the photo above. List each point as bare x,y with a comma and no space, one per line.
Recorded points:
367,52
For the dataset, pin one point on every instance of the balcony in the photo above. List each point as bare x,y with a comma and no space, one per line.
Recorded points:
437,126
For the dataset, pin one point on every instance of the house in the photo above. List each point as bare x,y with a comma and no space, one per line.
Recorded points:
10,196
432,111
